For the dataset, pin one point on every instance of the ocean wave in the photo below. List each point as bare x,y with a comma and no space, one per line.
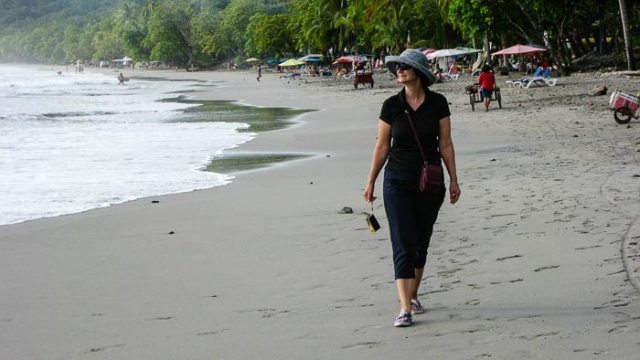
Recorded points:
78,113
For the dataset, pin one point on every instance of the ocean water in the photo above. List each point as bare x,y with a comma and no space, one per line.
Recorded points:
74,142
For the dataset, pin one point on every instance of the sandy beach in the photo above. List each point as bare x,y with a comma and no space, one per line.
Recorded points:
540,259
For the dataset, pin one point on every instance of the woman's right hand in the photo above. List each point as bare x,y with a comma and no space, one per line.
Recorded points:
368,193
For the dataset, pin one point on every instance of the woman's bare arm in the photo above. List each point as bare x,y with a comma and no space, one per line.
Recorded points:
379,157
449,157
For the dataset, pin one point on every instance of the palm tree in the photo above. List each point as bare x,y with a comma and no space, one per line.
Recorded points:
392,23
147,10
627,36
125,13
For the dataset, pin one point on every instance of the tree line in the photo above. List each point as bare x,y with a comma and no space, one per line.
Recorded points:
206,33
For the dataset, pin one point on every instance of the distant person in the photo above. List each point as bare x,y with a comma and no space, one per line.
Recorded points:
121,79
487,82
259,72
411,212
437,74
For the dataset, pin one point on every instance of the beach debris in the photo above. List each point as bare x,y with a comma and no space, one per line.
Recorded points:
171,232
636,175
155,201
598,90
311,183
346,210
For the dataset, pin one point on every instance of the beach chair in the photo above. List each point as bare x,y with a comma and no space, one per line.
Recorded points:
540,77
536,73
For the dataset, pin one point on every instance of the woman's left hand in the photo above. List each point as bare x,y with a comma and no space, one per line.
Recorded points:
368,193
454,192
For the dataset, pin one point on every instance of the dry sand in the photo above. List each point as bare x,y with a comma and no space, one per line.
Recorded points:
539,260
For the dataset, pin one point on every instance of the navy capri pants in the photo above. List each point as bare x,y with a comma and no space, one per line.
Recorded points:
411,215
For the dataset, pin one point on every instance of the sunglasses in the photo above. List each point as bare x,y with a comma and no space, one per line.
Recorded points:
403,67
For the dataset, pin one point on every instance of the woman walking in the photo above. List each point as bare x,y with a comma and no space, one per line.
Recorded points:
487,82
411,212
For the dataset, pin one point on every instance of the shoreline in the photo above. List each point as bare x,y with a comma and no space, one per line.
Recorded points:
528,263
258,119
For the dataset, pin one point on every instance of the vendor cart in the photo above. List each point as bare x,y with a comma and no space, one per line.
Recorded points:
476,97
363,78
624,106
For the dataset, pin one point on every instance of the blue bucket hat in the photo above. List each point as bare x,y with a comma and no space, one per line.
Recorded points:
414,58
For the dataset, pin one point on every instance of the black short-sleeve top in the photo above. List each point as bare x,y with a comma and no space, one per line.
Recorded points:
404,153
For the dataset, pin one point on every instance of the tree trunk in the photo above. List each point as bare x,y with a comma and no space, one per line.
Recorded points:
627,35
602,41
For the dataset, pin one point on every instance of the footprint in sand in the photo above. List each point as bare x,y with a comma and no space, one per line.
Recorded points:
369,344
473,302
103,348
509,257
544,335
214,332
588,247
546,268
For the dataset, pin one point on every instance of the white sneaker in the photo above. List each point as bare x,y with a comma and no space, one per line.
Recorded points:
416,307
403,320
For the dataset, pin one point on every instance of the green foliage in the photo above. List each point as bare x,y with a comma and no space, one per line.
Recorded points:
24,14
166,35
229,38
208,32
133,38
268,35
392,23
167,51
472,17
310,24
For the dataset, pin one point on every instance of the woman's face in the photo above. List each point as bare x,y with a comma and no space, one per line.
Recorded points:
406,74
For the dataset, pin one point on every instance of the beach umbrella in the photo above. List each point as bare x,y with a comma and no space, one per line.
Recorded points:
445,53
275,61
520,50
468,50
292,62
351,59
537,46
344,60
312,58
428,51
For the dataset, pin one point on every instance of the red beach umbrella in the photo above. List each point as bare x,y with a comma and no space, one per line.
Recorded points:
344,60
